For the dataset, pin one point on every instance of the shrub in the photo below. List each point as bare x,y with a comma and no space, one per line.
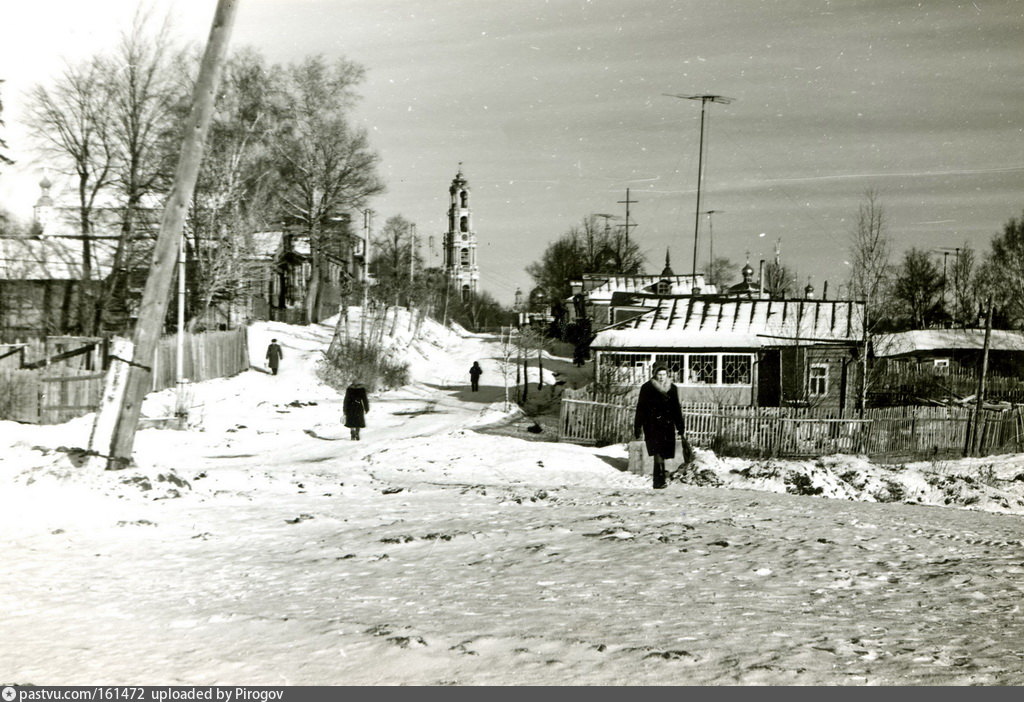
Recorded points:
800,484
353,361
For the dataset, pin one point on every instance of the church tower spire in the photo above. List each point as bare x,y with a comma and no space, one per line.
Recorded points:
460,263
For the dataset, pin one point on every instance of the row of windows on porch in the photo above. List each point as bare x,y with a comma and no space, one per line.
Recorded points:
704,369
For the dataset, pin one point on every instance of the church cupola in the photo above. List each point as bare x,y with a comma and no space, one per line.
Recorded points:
460,247
43,210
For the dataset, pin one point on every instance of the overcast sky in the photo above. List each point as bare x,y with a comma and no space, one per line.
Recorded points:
556,107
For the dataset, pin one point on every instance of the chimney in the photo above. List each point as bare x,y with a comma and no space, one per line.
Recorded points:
824,291
760,279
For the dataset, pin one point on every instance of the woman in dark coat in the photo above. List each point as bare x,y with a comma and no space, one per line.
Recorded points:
659,416
356,405
475,372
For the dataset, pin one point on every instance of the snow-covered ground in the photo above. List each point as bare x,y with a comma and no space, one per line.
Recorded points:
262,546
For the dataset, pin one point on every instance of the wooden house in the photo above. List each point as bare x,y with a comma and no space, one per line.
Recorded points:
943,351
739,351
41,284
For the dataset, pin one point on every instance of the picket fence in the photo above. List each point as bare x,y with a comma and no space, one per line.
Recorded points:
60,391
892,432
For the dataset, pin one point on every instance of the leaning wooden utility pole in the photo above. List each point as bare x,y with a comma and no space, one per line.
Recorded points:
158,284
979,399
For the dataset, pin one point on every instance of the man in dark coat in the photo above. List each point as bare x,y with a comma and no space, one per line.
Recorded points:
659,416
355,406
474,375
274,356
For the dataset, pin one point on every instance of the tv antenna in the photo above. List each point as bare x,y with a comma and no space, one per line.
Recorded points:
704,100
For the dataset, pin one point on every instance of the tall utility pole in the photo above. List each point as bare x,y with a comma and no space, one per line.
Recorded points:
711,242
627,202
153,307
704,100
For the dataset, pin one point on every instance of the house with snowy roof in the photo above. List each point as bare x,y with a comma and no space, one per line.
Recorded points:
598,295
740,351
948,350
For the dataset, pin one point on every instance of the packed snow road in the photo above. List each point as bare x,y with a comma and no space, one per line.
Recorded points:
254,552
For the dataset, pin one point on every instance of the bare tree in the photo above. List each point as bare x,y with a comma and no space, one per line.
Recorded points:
966,294
1003,272
326,164
870,253
71,124
235,193
589,247
391,259
719,272
142,93
779,280
917,289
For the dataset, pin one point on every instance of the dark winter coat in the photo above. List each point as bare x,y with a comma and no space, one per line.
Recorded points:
274,355
356,405
659,416
475,371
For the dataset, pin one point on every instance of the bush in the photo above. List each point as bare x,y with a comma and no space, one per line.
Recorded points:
353,361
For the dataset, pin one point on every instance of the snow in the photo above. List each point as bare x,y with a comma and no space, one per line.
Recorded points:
262,546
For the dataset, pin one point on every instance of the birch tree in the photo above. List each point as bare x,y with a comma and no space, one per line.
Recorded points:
870,254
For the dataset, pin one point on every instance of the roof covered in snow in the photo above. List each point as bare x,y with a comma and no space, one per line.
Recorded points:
689,322
922,340
678,285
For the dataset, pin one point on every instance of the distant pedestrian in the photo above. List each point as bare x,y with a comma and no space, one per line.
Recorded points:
355,406
274,356
474,375
659,416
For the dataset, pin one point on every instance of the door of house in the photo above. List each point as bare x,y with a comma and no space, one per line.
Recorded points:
768,379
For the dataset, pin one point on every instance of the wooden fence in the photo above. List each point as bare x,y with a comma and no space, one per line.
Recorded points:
60,391
892,432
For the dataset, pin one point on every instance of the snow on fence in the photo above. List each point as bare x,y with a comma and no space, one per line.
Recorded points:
795,432
53,394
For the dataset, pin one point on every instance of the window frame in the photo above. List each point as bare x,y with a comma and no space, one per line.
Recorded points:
813,382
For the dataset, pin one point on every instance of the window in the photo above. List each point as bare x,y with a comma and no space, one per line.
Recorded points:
735,369
465,198
675,363
626,368
703,369
819,379
941,366
464,224
663,287
464,257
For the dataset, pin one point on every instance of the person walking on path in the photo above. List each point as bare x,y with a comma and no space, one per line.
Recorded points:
659,416
274,356
474,375
355,406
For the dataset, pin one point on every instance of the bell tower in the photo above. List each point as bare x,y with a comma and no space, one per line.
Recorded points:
460,262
